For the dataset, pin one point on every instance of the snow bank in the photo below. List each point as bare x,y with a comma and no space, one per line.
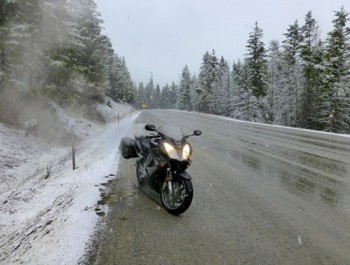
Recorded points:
110,110
21,157
47,210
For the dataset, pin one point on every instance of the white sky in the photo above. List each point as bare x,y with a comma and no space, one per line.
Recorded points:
162,36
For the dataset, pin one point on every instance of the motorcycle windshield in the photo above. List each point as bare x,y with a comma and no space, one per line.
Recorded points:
172,132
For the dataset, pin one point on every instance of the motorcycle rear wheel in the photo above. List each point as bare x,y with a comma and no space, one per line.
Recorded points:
181,197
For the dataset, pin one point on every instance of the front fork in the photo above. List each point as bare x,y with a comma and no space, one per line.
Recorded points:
168,181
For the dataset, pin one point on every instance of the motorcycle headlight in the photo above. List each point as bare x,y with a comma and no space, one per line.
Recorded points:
186,152
177,154
169,148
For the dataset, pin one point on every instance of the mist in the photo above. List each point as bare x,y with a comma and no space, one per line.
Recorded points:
51,51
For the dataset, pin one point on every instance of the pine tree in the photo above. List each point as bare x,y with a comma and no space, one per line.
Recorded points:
208,75
291,71
335,110
149,92
309,48
243,105
121,86
4,31
21,40
165,97
275,95
173,95
256,60
223,87
55,48
194,96
89,28
184,90
238,86
156,97
138,96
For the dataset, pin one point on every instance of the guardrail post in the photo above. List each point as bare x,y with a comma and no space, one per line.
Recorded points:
73,147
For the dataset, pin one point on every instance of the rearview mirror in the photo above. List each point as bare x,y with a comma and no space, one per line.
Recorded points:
150,127
197,132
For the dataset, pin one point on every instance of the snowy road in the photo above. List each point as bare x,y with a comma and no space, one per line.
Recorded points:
262,195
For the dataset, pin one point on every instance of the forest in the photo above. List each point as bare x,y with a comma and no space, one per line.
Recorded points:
55,49
302,82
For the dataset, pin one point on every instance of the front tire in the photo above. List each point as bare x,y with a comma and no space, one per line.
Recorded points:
181,198
140,172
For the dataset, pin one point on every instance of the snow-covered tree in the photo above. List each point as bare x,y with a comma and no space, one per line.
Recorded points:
335,109
165,98
89,29
173,95
257,64
121,86
55,48
4,60
223,87
310,51
275,95
156,97
194,96
140,96
292,75
244,104
184,100
208,76
149,92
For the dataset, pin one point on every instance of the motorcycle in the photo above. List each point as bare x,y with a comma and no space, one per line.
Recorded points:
161,162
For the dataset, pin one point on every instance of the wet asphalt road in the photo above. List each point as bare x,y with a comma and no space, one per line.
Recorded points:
262,195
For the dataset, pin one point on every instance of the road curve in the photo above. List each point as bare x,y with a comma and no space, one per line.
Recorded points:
262,195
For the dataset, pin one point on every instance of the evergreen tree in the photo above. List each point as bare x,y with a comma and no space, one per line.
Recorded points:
256,60
309,49
223,87
208,75
4,31
89,28
149,92
173,95
21,40
55,48
275,95
194,96
238,86
156,97
243,106
138,96
291,71
184,90
336,94
165,97
121,86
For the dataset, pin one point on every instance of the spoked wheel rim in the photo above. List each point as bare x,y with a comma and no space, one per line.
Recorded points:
175,200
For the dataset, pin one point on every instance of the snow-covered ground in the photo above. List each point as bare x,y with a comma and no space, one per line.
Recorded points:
47,210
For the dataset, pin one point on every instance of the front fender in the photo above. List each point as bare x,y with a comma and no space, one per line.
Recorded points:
185,175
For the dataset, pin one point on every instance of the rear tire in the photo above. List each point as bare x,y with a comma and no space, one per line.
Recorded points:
181,198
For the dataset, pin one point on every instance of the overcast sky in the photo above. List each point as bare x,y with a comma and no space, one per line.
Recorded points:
162,36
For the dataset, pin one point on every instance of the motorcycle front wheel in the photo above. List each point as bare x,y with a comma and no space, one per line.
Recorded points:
180,199
140,172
